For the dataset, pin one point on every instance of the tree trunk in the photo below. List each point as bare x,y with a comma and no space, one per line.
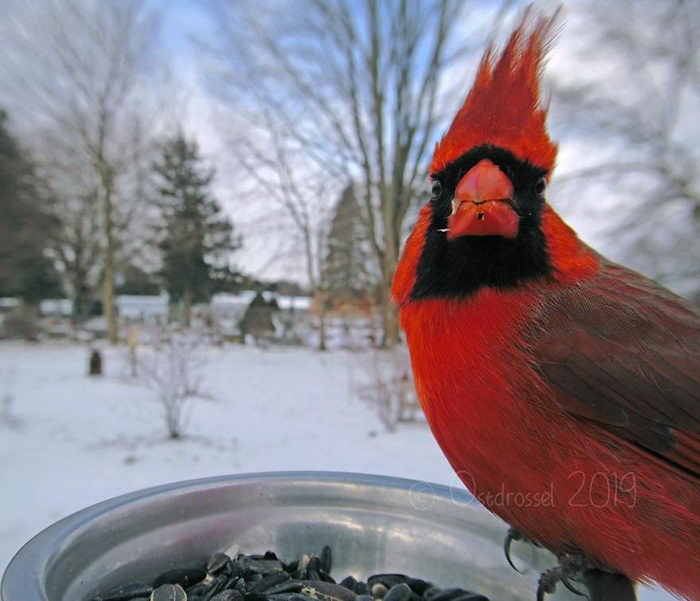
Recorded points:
390,324
322,322
108,283
108,299
187,306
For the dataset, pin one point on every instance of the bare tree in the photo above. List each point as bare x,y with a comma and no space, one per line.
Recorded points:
387,386
287,181
79,82
354,87
637,105
173,370
7,400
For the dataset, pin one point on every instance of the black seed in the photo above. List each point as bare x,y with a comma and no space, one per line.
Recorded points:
230,581
197,589
227,596
286,597
449,594
417,585
327,591
266,578
362,588
291,586
430,592
291,567
183,576
400,592
388,580
127,592
263,566
349,582
326,577
269,581
169,592
214,587
236,568
217,562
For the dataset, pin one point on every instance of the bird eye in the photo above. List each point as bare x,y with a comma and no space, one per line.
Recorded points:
436,190
540,185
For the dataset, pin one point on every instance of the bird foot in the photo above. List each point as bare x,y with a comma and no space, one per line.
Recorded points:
601,582
571,567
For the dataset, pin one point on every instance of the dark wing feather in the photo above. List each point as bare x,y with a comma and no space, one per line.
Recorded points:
625,352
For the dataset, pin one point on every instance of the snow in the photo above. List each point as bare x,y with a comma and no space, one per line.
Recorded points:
72,441
82,440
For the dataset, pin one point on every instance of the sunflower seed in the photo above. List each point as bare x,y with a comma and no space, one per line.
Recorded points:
169,592
217,562
235,576
448,594
327,591
263,566
269,581
362,588
326,559
349,582
400,592
227,595
291,586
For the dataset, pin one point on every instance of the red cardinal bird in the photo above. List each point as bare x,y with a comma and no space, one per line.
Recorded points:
563,388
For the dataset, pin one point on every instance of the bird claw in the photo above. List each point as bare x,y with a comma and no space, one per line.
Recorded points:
515,535
571,566
547,583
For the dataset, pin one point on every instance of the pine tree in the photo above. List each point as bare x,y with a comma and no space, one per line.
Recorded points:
346,273
25,226
195,237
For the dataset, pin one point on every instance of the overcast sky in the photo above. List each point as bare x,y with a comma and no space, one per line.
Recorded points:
269,254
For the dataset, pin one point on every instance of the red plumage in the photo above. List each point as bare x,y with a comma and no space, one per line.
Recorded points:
582,385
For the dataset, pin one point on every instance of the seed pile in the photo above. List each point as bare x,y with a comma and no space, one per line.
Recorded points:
266,578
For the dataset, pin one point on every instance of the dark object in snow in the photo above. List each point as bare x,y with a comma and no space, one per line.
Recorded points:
95,363
266,578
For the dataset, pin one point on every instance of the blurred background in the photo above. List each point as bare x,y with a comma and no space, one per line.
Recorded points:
202,203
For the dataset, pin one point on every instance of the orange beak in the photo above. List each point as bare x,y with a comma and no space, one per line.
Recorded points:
483,204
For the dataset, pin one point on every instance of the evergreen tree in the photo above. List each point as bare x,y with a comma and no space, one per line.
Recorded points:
25,226
346,272
195,237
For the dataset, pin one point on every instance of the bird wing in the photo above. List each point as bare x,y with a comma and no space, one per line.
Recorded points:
625,352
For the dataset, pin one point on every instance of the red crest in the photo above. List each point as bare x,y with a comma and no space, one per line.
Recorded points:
503,107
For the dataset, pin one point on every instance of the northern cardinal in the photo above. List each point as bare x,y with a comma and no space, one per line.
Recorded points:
563,388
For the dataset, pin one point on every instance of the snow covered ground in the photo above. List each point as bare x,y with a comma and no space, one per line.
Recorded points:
75,440
81,440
